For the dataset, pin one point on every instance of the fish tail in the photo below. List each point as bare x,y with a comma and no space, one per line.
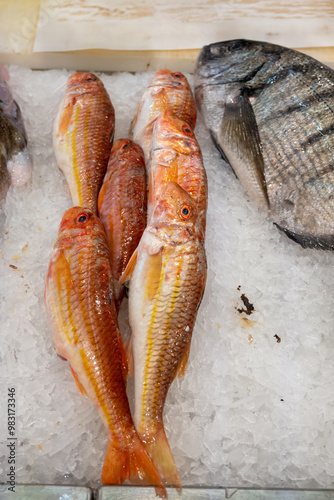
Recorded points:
131,463
159,450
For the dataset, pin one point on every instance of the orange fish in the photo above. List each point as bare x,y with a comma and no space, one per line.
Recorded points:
168,90
166,286
82,137
122,206
79,303
176,156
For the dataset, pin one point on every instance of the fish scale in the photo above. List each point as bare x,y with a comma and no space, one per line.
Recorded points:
176,156
296,171
168,90
166,287
122,206
83,132
80,306
270,111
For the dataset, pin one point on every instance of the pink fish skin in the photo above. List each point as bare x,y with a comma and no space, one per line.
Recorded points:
80,306
83,132
176,156
168,91
122,206
167,282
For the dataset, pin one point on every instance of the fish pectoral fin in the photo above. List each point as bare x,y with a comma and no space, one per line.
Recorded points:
161,101
64,270
221,151
129,268
65,118
78,383
153,274
240,137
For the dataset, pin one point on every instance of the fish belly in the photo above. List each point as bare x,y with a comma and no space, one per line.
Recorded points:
165,292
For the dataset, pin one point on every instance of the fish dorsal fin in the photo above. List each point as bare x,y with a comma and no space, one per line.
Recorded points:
242,146
78,383
129,268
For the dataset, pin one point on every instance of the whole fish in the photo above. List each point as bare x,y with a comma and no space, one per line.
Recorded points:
83,132
168,90
166,287
15,161
176,156
122,206
270,111
79,303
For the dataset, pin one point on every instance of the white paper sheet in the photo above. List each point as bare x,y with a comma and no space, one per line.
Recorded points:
180,24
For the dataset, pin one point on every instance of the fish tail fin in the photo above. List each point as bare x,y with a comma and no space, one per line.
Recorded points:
131,463
159,450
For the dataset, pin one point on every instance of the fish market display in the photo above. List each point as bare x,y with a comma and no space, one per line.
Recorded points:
82,137
270,111
166,288
167,91
259,380
15,162
79,302
122,206
176,156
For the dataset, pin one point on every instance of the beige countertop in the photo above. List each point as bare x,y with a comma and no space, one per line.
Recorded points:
116,35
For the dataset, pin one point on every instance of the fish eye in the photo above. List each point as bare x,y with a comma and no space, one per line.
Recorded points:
177,75
91,79
187,130
185,212
82,218
125,145
236,46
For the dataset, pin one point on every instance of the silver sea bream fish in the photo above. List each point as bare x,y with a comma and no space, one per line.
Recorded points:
270,112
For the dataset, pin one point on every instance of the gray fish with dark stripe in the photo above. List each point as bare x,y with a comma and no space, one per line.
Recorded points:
270,112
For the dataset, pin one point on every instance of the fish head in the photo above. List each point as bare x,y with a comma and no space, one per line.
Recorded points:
233,61
175,206
170,132
79,222
83,83
168,78
126,148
